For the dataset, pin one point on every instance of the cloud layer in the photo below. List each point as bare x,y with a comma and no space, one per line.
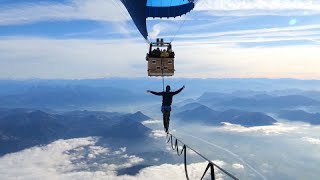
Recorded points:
276,129
95,10
82,159
315,141
23,57
260,7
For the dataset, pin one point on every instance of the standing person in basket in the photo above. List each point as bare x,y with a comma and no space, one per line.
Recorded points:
166,104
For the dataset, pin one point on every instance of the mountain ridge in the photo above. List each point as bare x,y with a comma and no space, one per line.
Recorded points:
206,115
21,129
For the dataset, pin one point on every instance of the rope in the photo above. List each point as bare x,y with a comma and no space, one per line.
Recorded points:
184,151
162,74
178,30
163,83
184,21
228,151
210,165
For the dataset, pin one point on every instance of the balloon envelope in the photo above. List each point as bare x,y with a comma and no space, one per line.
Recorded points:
140,10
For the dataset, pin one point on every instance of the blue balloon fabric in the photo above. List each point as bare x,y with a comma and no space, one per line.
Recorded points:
140,10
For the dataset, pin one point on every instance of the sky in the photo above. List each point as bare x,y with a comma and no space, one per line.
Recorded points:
81,39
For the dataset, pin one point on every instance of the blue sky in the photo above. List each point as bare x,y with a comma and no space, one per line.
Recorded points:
219,39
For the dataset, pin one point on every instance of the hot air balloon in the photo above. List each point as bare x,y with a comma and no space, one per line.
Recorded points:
160,56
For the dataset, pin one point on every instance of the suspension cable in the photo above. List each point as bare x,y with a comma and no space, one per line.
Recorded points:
163,83
179,29
183,23
211,165
162,74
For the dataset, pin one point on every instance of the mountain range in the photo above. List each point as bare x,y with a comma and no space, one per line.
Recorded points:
204,114
299,115
22,128
271,101
70,97
259,101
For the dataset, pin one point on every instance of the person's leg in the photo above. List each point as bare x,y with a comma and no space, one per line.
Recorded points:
167,114
168,119
164,119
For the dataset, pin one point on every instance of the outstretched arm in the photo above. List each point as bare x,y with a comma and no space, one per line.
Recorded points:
177,92
155,93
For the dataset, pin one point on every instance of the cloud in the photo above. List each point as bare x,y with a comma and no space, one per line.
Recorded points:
259,7
71,159
156,30
95,151
266,168
275,34
152,122
158,134
276,129
315,141
169,171
113,10
271,62
53,58
96,10
238,166
32,57
42,162
64,159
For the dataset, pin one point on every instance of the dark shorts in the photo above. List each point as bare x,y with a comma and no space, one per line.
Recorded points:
165,108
